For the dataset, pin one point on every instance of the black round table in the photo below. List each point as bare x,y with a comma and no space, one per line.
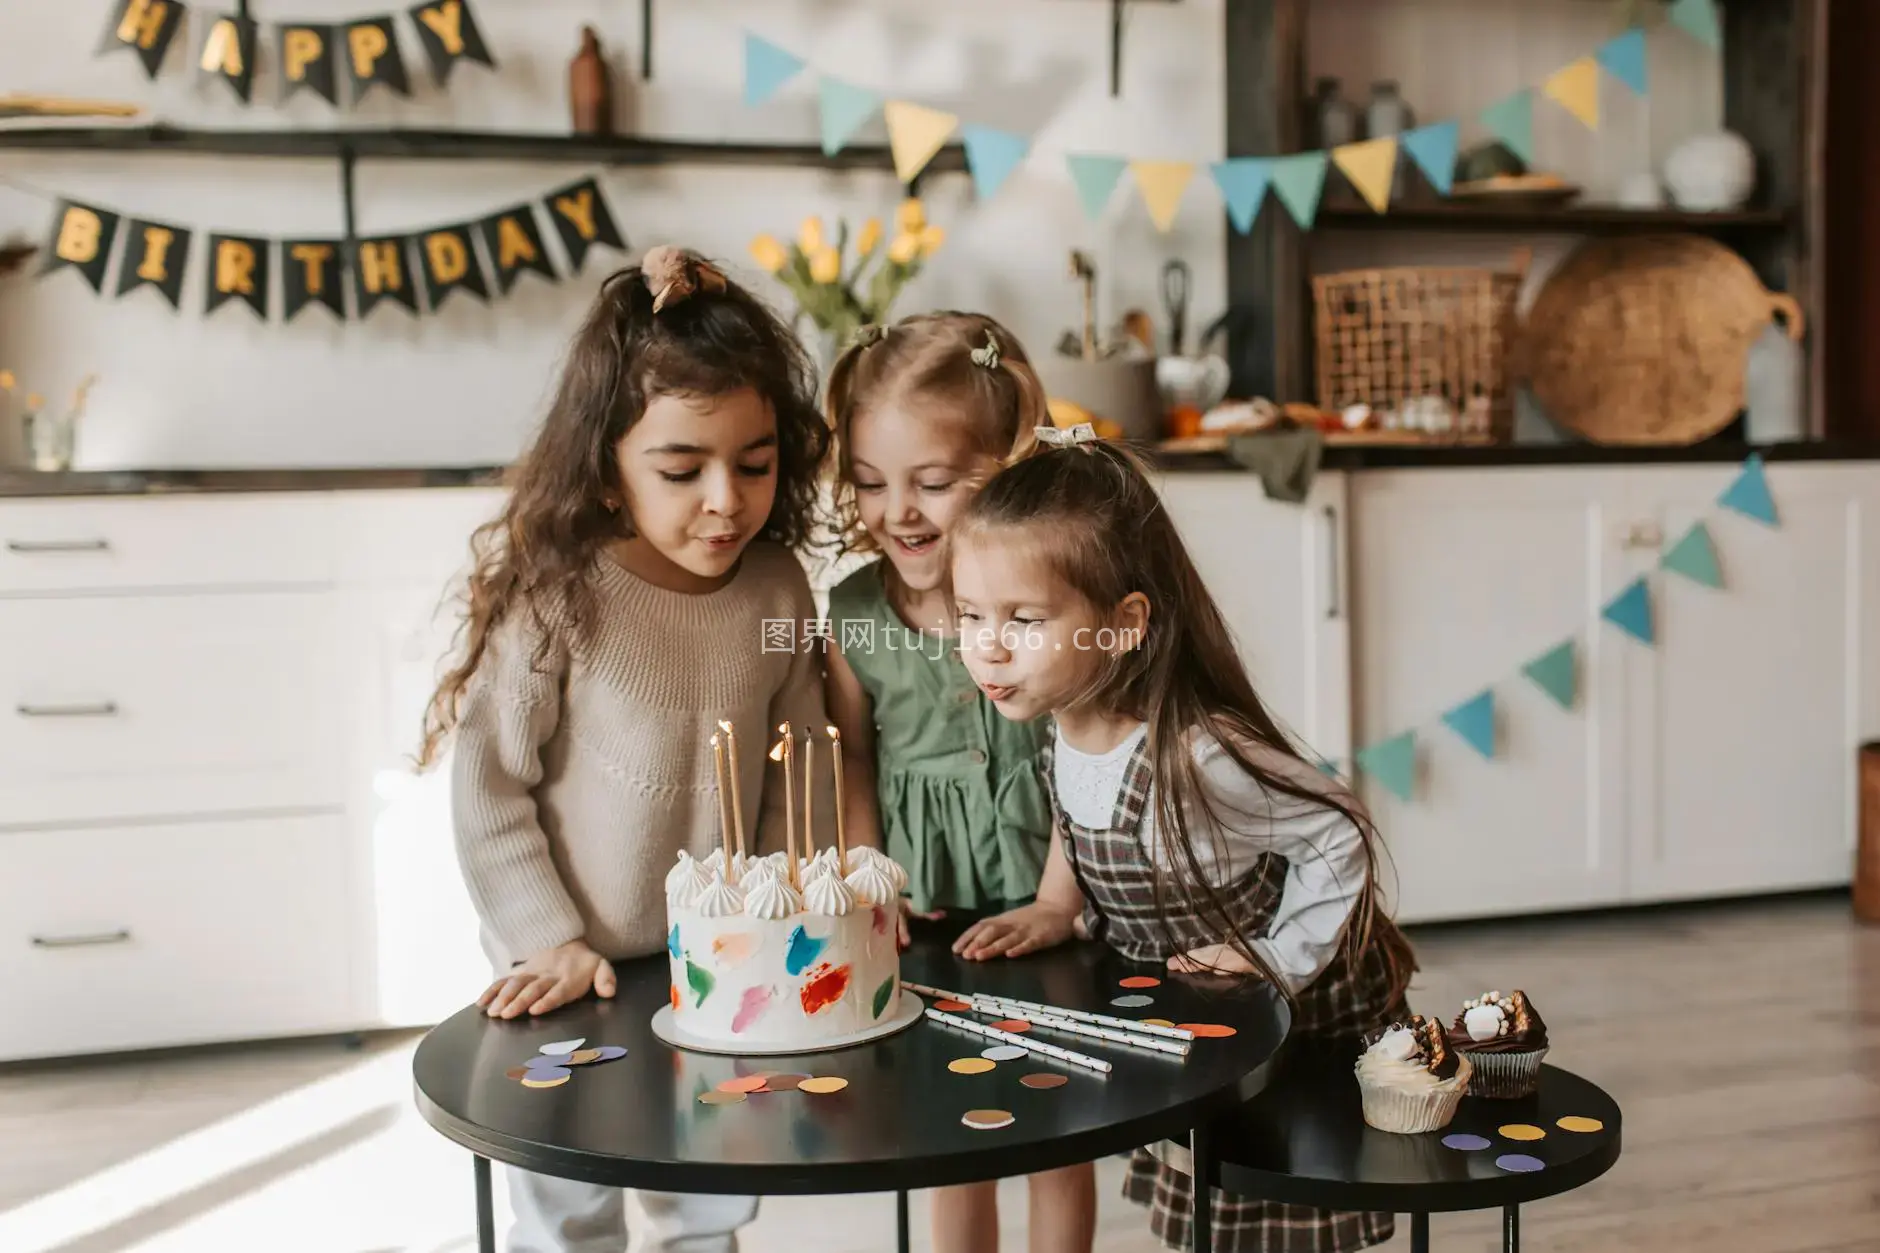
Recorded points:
637,1122
1304,1141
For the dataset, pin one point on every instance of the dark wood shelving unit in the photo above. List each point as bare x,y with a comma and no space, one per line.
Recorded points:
1574,219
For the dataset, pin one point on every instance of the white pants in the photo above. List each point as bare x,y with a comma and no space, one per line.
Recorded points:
567,1216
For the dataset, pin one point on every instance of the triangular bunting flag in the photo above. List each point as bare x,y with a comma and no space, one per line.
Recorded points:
1749,495
1557,673
1474,721
991,155
1370,166
1162,184
1695,557
1575,88
1391,762
1096,179
766,68
1299,181
1631,611
1512,122
844,108
1624,59
1243,182
915,133
1698,18
1328,768
1433,148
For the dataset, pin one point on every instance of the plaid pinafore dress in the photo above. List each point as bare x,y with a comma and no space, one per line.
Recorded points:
1114,872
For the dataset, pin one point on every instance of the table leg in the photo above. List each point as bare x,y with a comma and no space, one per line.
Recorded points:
901,1240
1202,1193
1511,1229
1419,1233
486,1208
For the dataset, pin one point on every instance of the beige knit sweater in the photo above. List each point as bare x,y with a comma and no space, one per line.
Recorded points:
575,784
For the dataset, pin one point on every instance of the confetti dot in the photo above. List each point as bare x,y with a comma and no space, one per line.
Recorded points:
987,1119
951,1006
550,1059
721,1098
516,1072
609,1052
542,1079
1044,1081
1465,1143
1521,1131
781,1083
1004,1053
1140,981
562,1046
1017,1026
1207,1030
743,1083
1156,1022
1520,1163
1135,1001
969,1065
822,1085
581,1057
1585,1126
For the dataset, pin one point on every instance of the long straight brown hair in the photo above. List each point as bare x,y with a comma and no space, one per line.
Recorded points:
709,337
1091,511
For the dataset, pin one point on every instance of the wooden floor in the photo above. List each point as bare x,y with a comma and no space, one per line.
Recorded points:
1743,1042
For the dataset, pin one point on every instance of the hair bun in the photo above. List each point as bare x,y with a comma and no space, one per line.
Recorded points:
673,274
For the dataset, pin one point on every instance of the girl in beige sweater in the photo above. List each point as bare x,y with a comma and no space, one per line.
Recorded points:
629,597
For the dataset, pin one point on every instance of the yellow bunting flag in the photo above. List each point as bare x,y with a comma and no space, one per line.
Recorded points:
1576,89
915,133
1370,166
1162,184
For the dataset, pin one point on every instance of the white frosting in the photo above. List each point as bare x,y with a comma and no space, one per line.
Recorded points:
685,871
719,900
826,894
893,870
1404,1074
872,885
816,867
772,898
1484,1022
1399,1044
757,870
717,860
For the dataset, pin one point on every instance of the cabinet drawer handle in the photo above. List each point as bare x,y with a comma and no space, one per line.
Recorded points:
91,940
102,709
58,545
1333,600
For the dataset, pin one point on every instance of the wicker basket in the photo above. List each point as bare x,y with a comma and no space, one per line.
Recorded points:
1388,337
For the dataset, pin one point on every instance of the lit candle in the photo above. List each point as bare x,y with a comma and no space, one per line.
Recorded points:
783,753
842,839
724,801
809,790
737,782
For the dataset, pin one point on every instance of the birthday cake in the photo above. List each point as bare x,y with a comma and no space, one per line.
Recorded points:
797,949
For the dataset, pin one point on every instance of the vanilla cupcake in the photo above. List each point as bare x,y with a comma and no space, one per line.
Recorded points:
1410,1079
1505,1040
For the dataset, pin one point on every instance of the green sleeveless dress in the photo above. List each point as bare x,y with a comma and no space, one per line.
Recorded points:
963,808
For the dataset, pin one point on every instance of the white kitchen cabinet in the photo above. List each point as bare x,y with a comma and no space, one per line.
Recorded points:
1278,573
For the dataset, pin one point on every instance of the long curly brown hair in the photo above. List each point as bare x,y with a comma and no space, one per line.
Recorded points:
672,326
1095,516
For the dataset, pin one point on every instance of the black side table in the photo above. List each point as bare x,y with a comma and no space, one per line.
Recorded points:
1304,1141
637,1122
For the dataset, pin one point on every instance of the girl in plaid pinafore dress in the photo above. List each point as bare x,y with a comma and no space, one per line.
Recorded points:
1189,830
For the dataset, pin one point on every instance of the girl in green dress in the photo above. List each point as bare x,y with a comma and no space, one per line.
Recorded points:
924,412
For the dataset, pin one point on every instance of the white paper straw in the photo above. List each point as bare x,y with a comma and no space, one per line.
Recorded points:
1056,1011
1177,1047
1029,1045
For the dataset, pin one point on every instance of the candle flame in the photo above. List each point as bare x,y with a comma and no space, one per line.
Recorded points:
776,751
724,724
834,734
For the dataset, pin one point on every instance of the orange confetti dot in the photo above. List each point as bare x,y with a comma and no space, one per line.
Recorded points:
1140,981
951,1006
1017,1026
1155,1022
1521,1131
1207,1030
822,1085
1584,1126
743,1083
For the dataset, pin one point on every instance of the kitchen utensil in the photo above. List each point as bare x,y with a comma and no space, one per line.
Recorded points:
1119,388
1175,288
1084,270
1138,326
1195,382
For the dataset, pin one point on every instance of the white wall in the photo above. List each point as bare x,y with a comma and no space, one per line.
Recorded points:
464,387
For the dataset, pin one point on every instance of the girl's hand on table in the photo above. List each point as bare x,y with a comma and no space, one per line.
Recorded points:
548,981
1013,934
1212,959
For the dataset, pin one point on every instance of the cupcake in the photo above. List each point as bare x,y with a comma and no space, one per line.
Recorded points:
1410,1079
1505,1040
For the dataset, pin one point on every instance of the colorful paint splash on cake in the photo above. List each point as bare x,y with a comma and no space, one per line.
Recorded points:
825,987
884,995
803,951
733,949
672,942
881,921
752,1007
699,980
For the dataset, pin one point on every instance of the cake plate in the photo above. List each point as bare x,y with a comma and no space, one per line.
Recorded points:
906,1013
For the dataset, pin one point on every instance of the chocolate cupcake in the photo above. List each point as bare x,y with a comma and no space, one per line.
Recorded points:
1410,1079
1506,1040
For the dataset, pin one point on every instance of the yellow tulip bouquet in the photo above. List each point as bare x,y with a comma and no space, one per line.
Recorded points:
841,303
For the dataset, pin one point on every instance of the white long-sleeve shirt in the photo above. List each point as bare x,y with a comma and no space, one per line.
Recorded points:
1324,852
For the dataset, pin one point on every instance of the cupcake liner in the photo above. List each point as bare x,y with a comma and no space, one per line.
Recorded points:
1408,1113
1503,1076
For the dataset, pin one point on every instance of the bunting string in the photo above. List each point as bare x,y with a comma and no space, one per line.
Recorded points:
916,132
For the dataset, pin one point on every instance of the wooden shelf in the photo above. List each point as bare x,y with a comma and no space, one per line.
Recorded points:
1572,219
457,145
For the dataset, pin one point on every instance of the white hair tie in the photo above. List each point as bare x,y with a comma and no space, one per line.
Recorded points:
1067,437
